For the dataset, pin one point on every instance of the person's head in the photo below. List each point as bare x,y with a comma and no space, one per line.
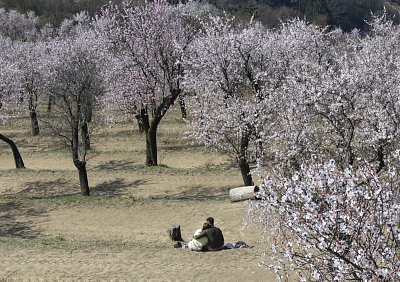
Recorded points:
210,220
206,225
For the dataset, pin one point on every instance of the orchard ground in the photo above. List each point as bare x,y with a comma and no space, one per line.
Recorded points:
48,232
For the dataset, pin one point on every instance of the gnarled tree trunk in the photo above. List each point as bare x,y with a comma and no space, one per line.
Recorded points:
19,163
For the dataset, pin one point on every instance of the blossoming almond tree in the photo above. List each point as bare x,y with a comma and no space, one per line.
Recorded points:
301,123
230,69
341,97
332,225
9,85
147,43
379,69
75,83
30,58
17,26
336,220
28,54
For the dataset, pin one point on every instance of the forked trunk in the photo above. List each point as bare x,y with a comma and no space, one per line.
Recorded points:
34,123
83,178
151,127
19,163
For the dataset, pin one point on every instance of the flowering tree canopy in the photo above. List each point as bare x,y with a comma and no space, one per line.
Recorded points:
75,82
334,215
17,26
147,43
332,225
9,80
225,69
31,61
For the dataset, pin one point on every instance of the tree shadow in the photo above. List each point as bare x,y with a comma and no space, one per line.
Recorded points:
16,220
198,192
116,187
117,165
57,187
179,147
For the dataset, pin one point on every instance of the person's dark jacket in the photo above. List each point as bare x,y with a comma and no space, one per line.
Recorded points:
215,238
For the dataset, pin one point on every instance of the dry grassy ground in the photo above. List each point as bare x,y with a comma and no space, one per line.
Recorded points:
49,233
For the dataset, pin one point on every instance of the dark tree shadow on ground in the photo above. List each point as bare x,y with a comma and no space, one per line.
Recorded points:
43,189
199,192
179,147
118,165
16,220
62,187
116,187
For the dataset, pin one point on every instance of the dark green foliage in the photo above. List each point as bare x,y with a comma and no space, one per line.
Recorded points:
352,13
347,14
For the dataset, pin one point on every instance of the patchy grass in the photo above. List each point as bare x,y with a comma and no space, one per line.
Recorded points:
49,232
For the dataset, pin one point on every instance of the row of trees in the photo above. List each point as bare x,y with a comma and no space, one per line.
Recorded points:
55,11
316,110
347,14
319,112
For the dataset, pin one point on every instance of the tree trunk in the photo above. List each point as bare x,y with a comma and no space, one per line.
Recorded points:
351,155
34,123
85,136
140,123
83,178
49,104
151,140
79,163
146,127
182,105
19,163
245,170
380,154
243,160
150,128
151,145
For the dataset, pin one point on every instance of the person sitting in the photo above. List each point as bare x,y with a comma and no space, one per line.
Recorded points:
214,236
198,244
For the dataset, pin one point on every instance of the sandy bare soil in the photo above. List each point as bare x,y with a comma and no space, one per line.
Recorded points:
50,233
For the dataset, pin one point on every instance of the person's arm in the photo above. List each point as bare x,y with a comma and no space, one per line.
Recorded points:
202,234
